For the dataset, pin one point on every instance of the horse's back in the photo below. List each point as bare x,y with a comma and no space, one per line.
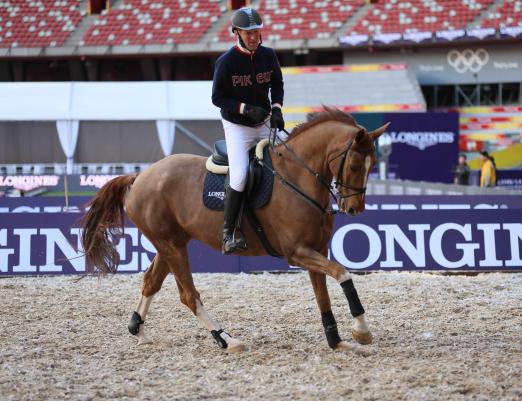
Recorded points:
170,170
166,179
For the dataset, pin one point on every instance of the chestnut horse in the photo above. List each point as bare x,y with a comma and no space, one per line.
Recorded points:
165,203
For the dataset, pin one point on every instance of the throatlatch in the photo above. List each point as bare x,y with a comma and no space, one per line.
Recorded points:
330,329
217,336
134,324
354,302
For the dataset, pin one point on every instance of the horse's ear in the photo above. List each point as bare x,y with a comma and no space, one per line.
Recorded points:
360,135
378,132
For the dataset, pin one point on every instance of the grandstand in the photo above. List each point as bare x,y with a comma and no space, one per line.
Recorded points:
137,22
66,23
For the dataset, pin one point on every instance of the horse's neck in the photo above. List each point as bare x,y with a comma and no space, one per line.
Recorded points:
316,144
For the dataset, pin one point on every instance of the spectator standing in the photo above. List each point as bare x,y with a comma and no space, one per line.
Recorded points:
461,171
488,172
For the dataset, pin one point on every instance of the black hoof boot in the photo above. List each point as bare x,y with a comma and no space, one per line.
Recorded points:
330,329
134,324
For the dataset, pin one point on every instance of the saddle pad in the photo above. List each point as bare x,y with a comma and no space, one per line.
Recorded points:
214,187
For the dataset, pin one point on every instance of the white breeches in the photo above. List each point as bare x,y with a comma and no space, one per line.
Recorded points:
240,139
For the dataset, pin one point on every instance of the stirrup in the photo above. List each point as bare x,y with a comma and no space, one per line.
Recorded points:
231,245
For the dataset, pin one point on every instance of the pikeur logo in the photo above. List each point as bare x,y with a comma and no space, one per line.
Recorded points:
246,80
216,194
422,140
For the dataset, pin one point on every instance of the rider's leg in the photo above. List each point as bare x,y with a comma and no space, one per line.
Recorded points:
239,139
233,201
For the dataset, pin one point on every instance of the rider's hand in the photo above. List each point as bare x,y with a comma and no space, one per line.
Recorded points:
258,114
276,120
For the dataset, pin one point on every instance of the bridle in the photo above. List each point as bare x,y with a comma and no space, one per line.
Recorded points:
338,183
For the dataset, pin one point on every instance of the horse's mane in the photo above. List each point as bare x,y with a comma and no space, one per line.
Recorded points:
328,114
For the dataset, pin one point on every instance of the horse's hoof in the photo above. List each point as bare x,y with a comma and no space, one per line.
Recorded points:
235,346
362,338
144,341
344,345
356,348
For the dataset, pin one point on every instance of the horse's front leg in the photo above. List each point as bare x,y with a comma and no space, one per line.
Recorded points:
318,263
325,307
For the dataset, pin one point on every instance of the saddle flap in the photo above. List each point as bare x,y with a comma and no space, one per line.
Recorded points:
259,185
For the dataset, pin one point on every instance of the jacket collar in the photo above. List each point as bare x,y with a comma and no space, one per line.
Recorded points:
244,50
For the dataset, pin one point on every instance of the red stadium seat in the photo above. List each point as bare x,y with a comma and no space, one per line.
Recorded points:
140,22
419,16
300,19
35,23
509,14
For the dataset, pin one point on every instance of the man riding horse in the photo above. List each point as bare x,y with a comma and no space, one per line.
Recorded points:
243,77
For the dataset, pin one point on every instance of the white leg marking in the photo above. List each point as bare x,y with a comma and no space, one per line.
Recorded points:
234,345
204,317
346,276
360,324
142,309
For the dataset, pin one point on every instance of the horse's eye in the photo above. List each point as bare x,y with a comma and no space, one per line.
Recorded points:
355,167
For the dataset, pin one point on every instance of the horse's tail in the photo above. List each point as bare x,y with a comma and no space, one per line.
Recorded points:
101,222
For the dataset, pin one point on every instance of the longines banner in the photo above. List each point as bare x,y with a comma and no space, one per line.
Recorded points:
451,240
424,146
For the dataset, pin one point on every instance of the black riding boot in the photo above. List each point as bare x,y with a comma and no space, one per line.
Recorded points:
232,205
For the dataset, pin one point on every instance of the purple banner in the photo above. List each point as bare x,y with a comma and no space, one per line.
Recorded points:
45,243
509,179
450,240
424,145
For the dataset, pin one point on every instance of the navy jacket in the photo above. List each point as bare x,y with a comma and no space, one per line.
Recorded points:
240,77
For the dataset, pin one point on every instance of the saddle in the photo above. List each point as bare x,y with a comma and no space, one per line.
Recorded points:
258,191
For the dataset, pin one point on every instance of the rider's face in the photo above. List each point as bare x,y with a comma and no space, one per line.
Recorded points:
250,38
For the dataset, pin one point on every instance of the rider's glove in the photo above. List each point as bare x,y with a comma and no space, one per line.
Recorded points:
255,113
276,120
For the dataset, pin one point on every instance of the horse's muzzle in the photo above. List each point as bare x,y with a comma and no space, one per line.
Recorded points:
352,212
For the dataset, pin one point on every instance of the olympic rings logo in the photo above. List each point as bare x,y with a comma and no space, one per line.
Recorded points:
468,60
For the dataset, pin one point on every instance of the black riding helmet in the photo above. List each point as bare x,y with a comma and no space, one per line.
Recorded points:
246,18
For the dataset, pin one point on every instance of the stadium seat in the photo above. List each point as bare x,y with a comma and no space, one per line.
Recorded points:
419,16
300,19
38,23
509,14
141,22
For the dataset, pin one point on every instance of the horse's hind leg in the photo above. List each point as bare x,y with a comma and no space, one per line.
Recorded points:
178,262
152,282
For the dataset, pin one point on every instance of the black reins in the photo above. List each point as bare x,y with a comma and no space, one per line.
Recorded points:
338,183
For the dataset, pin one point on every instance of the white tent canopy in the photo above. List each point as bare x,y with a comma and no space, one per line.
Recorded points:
68,103
102,101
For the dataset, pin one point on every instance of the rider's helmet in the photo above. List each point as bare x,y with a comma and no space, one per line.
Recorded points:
246,18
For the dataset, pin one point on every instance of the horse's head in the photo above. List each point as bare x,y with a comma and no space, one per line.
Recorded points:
353,166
